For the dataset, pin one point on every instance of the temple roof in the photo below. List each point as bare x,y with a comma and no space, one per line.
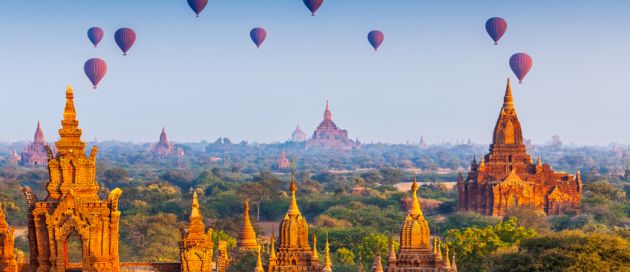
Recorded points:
70,133
247,235
39,135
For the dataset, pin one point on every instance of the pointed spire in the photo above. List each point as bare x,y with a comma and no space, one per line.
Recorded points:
439,249
3,220
247,235
293,207
39,135
259,265
378,265
194,213
508,100
415,203
70,134
531,159
327,263
315,256
391,256
434,245
69,112
327,113
539,162
272,250
447,262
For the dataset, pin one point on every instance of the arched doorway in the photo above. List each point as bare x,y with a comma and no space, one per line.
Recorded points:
73,252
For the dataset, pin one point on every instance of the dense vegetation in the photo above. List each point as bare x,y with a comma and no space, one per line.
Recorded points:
157,195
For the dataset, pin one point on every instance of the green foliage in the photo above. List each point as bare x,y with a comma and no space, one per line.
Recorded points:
243,262
529,217
220,235
373,242
344,256
149,238
473,244
461,220
567,251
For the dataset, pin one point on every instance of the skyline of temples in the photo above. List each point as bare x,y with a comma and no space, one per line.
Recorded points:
165,149
508,177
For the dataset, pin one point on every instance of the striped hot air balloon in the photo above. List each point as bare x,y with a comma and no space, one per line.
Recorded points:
125,38
95,70
258,35
376,37
197,5
95,34
496,28
521,63
313,5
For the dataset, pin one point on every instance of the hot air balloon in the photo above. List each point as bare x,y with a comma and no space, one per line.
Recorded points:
258,35
95,34
197,5
313,5
375,38
125,37
520,63
496,28
95,70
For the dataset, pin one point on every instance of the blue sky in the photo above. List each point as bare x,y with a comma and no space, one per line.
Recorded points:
437,74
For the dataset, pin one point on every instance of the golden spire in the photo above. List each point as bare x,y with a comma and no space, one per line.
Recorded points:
435,245
508,100
70,133
378,265
259,265
531,159
447,262
539,162
315,256
293,206
194,213
327,264
3,221
439,248
392,249
415,204
247,235
272,254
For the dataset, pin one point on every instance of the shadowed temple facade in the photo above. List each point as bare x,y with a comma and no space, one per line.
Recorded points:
508,176
328,135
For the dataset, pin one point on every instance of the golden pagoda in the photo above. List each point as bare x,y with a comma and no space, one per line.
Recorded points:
327,263
294,252
259,265
7,253
196,245
73,207
378,265
272,252
415,252
247,236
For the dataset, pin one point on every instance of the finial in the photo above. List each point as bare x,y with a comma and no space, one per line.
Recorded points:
327,263
539,162
195,206
415,203
259,265
315,256
69,112
508,101
293,207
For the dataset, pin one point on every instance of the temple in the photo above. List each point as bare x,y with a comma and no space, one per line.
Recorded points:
165,149
294,252
14,158
416,252
298,135
8,261
35,154
328,135
73,207
196,245
283,162
508,177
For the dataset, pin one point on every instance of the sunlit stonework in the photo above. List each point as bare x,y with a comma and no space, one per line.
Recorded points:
196,245
7,252
508,177
73,207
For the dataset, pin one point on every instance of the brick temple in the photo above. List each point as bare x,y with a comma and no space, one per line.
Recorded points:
165,149
34,153
328,135
508,177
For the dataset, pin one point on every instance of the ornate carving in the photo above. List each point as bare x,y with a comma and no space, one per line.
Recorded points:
507,175
196,246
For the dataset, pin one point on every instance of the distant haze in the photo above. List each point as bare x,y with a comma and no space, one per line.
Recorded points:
436,74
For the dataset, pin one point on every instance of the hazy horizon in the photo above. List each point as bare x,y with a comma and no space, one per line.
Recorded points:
437,73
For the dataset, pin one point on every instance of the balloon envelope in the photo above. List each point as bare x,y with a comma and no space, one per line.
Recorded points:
197,5
375,38
496,28
95,34
313,5
125,38
521,63
95,70
258,35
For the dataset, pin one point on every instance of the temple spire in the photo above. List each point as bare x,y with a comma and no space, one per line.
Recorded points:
508,100
259,265
378,265
39,135
293,206
415,203
539,162
327,263
70,133
391,256
315,256
247,235
447,262
195,213
69,113
3,219
327,113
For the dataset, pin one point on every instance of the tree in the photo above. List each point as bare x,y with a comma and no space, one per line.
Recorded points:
371,243
473,244
529,217
571,250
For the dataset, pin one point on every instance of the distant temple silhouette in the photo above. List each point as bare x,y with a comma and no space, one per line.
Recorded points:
508,177
328,135
166,149
283,162
298,135
35,154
